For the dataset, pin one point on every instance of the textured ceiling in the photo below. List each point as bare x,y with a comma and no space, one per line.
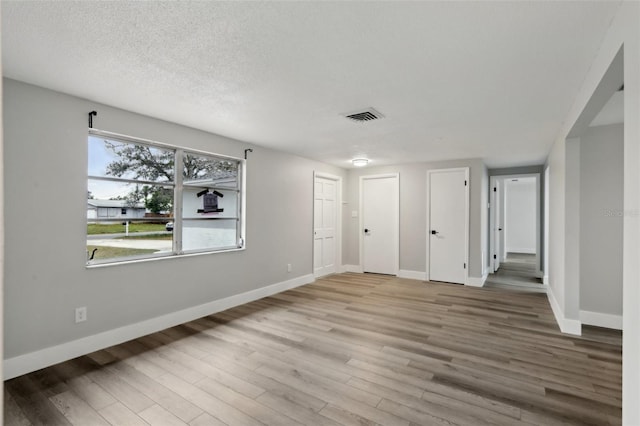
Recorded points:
453,79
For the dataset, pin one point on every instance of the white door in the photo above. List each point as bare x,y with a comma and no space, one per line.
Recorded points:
380,224
497,228
448,229
324,226
502,215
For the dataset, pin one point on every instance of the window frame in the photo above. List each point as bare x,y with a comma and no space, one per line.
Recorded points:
178,191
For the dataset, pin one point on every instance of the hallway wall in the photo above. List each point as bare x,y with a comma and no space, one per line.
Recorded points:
601,230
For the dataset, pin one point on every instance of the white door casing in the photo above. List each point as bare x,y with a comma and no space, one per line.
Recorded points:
448,225
502,229
498,231
495,227
326,229
545,272
380,217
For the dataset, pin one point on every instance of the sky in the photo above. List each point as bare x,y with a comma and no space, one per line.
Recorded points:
99,157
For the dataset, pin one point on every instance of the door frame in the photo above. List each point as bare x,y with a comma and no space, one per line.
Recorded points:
339,202
545,268
496,208
466,219
396,224
492,216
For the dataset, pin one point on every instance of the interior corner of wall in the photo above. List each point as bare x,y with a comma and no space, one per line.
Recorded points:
566,325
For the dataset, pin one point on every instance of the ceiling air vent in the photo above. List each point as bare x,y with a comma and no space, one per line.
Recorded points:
364,115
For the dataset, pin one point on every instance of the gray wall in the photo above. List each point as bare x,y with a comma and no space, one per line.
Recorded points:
45,166
601,215
413,219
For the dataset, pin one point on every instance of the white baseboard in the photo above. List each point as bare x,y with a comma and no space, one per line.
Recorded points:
521,250
599,319
545,280
566,325
412,275
477,281
352,268
22,364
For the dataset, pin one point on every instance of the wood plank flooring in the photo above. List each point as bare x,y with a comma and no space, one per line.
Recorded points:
518,269
350,349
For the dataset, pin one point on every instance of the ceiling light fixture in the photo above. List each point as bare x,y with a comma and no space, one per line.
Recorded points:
360,162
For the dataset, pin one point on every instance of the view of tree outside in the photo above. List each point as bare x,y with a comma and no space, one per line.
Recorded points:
131,191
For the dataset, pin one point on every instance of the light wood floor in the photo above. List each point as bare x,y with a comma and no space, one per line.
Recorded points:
349,349
518,269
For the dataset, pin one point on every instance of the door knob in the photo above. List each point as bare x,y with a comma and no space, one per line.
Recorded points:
434,232
366,230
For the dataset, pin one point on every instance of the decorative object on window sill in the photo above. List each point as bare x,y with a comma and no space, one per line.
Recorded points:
210,201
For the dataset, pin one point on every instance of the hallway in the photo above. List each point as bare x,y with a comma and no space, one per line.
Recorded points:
519,270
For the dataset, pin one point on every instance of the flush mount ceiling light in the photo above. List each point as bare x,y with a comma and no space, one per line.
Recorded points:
360,162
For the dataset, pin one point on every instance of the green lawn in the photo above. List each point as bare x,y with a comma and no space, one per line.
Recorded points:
105,252
116,228
149,237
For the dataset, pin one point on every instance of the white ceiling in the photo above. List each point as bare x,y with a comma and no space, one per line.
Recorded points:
453,79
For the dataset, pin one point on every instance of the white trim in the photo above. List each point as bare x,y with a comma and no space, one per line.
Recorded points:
352,268
396,224
412,275
566,325
546,215
22,364
493,183
599,319
521,250
466,221
339,204
476,281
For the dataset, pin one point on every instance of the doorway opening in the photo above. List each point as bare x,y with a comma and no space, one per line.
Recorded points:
514,228
595,162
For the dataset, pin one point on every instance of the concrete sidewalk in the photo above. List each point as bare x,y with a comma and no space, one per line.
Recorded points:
161,245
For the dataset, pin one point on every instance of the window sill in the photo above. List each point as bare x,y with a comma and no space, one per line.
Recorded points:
159,257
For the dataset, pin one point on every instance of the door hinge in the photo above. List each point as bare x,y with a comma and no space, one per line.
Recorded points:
495,189
494,256
465,266
465,183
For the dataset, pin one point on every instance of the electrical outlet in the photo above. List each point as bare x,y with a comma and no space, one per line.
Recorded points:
81,314
289,267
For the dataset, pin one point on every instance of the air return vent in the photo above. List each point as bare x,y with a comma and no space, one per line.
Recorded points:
368,114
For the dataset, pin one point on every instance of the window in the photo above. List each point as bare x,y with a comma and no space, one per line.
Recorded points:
140,180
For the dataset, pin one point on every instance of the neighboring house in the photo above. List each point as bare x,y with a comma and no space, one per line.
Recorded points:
220,204
113,209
